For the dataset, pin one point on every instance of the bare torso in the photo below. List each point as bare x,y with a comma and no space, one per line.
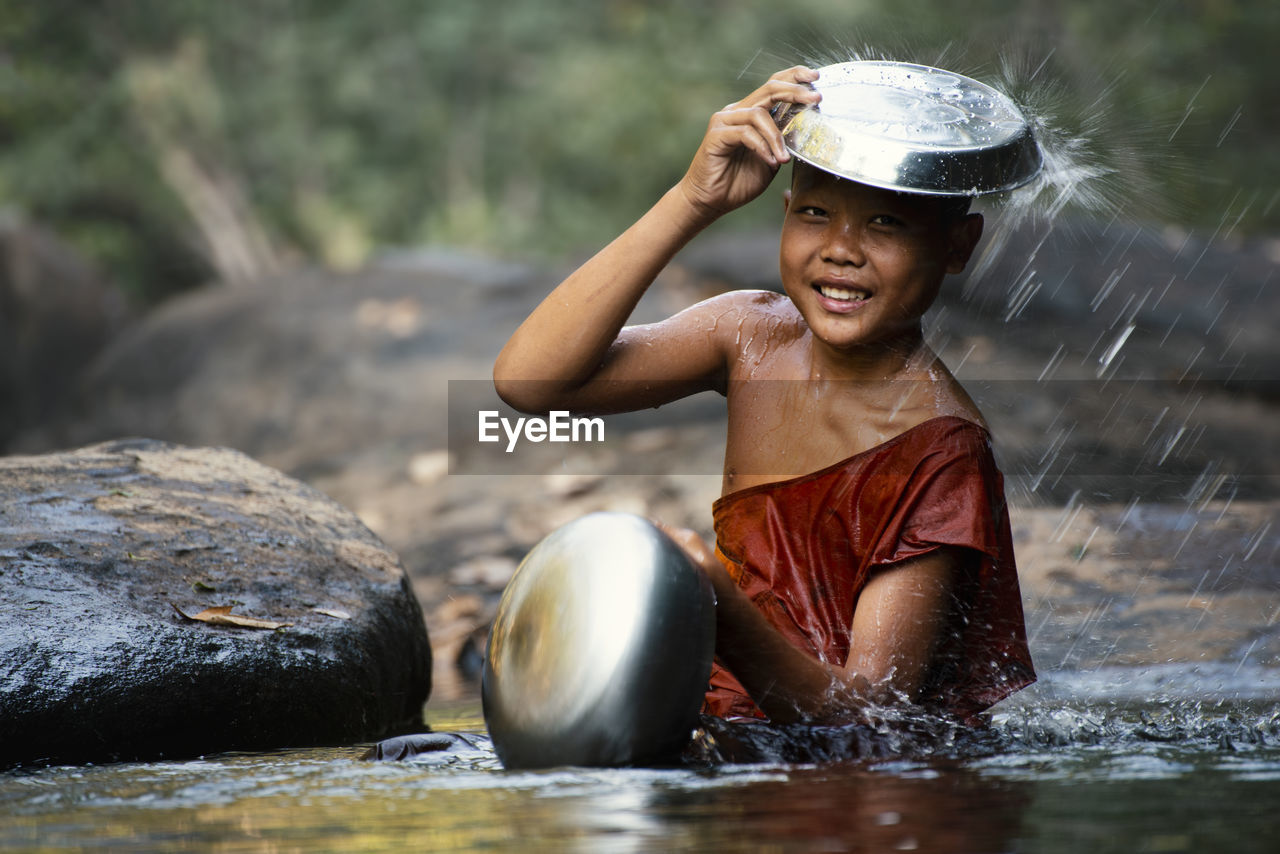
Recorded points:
785,418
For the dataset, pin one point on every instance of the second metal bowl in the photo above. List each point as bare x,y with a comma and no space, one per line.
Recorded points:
912,128
601,649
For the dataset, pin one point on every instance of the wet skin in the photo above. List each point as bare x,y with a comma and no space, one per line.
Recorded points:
859,266
810,378
862,264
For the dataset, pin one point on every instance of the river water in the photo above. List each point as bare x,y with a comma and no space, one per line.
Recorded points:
1173,758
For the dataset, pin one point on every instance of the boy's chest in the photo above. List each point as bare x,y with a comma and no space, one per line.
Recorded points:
778,429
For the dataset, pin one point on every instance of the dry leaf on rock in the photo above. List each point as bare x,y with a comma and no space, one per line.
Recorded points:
336,613
222,616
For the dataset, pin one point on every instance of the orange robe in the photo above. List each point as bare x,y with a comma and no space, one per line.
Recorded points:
802,550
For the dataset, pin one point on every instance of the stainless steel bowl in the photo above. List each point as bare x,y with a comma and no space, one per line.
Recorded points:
912,128
601,649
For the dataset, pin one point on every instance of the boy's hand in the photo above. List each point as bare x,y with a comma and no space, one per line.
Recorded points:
702,555
743,148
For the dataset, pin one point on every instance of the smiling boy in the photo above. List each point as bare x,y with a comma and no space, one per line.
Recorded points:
863,553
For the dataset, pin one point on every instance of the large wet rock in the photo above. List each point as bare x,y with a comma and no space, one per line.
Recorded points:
102,548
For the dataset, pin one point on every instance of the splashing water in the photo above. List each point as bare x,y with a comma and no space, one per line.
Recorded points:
1205,774
1089,166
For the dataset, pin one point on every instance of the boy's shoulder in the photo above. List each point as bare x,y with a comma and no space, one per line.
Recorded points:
745,309
752,325
752,300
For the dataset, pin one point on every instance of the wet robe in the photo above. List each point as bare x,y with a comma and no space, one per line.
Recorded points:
802,550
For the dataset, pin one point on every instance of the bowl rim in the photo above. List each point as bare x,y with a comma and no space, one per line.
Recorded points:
1021,149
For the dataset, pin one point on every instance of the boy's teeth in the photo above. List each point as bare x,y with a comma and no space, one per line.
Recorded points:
842,294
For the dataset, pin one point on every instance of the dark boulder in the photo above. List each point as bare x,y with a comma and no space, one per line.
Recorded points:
56,314
101,548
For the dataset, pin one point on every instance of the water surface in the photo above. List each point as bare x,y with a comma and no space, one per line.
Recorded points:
1180,758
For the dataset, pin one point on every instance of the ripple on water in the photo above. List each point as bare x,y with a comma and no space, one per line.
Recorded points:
1130,763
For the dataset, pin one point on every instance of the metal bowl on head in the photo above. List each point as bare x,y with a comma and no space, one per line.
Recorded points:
601,648
914,129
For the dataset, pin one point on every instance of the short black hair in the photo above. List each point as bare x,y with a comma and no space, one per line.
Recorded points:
955,207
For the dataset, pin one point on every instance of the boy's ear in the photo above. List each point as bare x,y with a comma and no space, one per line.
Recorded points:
786,200
962,239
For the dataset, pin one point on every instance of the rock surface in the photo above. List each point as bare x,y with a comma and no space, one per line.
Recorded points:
101,548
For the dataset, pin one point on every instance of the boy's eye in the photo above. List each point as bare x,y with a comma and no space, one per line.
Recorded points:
811,210
885,219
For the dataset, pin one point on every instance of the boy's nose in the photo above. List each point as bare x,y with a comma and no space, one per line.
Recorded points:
843,245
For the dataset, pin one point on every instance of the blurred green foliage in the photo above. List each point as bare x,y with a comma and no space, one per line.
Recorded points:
177,141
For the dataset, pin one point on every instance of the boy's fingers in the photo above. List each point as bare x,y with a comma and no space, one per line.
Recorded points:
688,540
780,92
790,86
720,175
743,134
794,85
772,101
766,133
797,74
750,139
762,123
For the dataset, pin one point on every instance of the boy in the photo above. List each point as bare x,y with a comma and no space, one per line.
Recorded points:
863,553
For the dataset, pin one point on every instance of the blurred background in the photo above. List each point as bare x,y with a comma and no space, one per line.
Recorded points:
171,143
303,228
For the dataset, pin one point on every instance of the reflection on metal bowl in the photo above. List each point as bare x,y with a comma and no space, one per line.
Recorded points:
601,649
912,128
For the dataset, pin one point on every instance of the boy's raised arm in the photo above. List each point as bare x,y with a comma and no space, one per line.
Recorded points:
573,351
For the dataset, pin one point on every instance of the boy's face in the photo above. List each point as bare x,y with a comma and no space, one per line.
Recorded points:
862,264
